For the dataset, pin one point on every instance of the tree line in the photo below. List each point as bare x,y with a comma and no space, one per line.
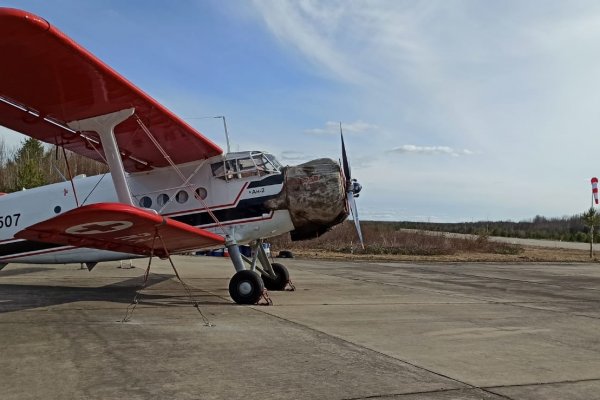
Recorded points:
34,164
567,228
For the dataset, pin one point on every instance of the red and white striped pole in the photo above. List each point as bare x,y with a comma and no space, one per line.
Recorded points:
595,190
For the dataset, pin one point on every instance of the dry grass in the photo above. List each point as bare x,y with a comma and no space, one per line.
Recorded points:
527,255
386,244
382,240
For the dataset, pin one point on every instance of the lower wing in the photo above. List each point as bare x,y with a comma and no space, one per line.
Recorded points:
121,228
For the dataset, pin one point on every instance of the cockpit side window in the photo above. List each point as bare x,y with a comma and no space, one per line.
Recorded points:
246,164
226,169
218,169
262,163
250,164
272,161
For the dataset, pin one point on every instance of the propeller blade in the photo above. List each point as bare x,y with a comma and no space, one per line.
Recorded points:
352,189
345,164
354,210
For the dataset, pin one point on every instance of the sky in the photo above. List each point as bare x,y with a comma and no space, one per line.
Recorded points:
452,110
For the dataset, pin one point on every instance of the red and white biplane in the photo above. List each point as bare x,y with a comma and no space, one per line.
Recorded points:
170,189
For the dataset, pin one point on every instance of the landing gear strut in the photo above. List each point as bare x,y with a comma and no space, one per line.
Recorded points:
247,286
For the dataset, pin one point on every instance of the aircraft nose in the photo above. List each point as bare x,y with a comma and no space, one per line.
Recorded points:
315,196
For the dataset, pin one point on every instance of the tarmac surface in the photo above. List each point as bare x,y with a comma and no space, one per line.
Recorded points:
350,331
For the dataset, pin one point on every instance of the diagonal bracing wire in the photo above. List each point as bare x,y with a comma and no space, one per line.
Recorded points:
176,168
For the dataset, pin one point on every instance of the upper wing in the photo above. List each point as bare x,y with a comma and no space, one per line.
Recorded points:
121,228
47,80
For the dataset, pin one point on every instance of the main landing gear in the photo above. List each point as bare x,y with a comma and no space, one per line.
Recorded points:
282,278
247,286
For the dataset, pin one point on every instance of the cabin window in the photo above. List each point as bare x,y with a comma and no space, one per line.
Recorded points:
146,202
162,199
202,193
181,196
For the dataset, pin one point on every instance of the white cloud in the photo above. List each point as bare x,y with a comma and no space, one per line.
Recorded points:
291,155
356,42
312,28
430,150
333,128
362,162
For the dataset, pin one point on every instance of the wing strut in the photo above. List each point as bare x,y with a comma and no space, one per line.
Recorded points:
105,125
184,180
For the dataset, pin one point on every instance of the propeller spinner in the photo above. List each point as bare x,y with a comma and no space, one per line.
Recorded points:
353,189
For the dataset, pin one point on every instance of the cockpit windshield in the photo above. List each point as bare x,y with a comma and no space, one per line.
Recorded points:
245,164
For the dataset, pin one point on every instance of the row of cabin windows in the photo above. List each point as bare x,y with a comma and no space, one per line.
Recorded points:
181,197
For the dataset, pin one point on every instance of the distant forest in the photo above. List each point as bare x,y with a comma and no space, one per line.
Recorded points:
34,164
570,229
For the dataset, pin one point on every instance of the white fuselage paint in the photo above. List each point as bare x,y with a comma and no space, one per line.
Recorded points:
29,207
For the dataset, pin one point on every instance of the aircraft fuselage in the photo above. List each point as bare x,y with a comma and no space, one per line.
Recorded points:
237,199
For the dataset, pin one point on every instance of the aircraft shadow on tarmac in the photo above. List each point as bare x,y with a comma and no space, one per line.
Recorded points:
22,271
17,297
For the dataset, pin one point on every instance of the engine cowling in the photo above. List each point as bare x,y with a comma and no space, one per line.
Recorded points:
314,193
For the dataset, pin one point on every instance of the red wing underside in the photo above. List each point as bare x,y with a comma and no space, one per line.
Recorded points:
48,80
121,228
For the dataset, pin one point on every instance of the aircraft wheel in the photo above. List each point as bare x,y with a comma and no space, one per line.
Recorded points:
246,287
279,283
285,254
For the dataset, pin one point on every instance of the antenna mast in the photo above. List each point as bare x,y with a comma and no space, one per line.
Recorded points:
226,133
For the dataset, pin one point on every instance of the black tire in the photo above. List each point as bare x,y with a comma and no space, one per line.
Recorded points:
246,287
285,254
279,283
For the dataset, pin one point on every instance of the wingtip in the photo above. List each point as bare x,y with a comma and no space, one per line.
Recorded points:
14,19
